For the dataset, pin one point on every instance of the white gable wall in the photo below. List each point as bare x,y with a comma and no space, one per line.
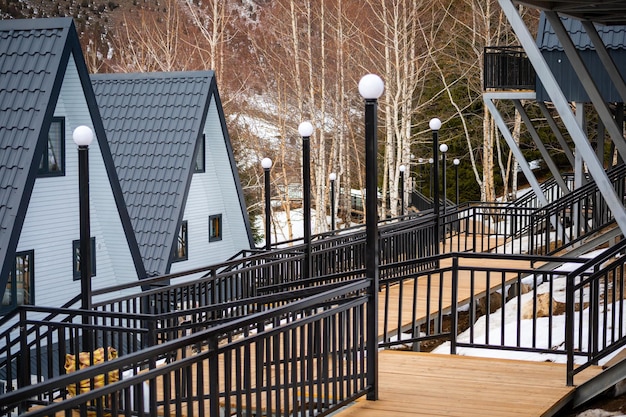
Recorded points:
213,192
52,218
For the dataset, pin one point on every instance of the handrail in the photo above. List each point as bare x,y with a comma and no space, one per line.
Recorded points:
595,301
314,313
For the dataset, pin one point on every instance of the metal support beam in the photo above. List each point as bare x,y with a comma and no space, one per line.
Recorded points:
579,116
523,163
542,148
562,106
596,386
557,132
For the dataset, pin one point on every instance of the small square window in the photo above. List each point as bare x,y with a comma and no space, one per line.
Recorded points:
76,258
21,284
200,160
52,161
215,227
181,249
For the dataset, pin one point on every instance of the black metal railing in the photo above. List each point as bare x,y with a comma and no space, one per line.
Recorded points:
304,357
35,346
574,216
596,323
164,310
503,228
310,340
426,305
334,258
520,227
507,67
491,227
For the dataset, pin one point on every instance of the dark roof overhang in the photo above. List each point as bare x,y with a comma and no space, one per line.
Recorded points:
606,12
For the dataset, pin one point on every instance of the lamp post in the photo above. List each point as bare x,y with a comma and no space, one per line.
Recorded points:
443,148
332,177
371,87
456,163
431,161
266,163
435,125
420,161
83,136
402,169
306,130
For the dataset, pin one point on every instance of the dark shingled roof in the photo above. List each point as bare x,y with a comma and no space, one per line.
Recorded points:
613,37
153,123
607,12
34,54
31,54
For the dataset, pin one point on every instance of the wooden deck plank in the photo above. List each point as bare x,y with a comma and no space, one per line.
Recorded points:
427,384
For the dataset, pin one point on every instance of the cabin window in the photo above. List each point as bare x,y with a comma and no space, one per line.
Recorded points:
76,258
200,160
52,161
21,282
181,249
215,227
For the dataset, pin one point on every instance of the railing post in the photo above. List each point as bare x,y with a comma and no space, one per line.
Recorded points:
594,299
569,328
214,378
454,301
23,372
151,365
473,227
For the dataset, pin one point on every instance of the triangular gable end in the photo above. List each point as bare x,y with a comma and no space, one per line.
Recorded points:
27,115
144,151
215,95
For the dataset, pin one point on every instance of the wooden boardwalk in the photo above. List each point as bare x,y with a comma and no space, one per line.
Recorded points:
427,384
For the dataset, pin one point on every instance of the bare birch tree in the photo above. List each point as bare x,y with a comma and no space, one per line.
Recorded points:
150,41
397,51
213,18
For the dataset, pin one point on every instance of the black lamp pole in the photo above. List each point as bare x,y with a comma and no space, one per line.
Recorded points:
306,130
83,136
431,161
332,178
456,163
435,125
266,163
402,168
371,87
443,148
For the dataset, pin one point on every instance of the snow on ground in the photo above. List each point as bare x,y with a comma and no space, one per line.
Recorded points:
540,335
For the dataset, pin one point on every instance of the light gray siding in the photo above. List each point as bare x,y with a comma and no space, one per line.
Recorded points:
213,192
52,219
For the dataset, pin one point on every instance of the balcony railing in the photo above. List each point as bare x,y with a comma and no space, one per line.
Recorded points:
507,68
